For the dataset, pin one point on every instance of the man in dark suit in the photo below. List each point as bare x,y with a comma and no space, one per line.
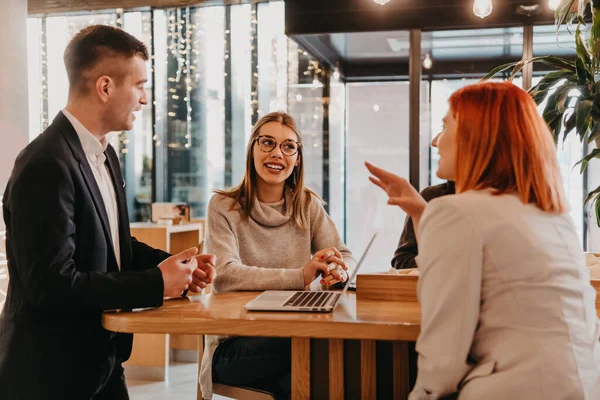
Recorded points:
69,249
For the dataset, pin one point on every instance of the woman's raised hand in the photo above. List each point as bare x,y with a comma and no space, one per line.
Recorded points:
400,192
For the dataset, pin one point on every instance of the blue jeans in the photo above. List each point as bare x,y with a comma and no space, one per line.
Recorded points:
255,362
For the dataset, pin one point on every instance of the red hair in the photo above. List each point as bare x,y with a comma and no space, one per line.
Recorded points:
503,143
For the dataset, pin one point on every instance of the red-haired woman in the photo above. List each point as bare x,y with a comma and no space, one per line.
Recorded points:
508,311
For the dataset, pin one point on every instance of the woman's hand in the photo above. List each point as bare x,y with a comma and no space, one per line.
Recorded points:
319,264
400,192
333,278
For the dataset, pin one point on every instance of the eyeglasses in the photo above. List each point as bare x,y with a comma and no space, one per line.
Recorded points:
288,147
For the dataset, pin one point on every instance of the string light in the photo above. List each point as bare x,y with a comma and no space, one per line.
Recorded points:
186,59
254,62
188,80
180,48
118,21
44,119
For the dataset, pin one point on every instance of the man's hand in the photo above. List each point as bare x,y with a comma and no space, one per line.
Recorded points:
204,273
177,272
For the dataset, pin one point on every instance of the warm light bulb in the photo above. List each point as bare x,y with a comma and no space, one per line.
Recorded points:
427,62
553,4
482,8
336,74
381,2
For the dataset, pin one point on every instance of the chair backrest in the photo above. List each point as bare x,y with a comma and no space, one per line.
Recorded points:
234,392
200,221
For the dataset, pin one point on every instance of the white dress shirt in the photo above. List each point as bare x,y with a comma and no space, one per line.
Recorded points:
507,308
94,152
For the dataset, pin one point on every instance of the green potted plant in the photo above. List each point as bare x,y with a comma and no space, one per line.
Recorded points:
572,89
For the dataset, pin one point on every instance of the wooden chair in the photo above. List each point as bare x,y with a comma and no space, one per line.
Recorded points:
234,392
200,221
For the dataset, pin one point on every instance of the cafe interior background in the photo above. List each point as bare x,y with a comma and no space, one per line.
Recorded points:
366,80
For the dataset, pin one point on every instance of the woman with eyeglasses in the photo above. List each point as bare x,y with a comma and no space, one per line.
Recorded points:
507,309
269,232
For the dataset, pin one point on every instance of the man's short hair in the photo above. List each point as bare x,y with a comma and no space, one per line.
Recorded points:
93,43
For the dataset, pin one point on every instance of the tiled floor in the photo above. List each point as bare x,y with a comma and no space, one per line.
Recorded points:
180,385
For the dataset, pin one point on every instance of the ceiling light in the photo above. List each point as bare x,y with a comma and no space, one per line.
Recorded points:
482,8
381,2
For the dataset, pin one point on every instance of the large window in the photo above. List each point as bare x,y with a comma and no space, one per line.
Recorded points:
214,73
190,100
272,58
217,69
377,131
337,152
48,90
218,74
305,104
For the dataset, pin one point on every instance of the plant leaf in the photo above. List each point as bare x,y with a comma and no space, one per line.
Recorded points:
556,62
552,78
582,52
570,123
554,123
595,112
582,112
553,61
597,207
585,160
562,12
591,195
581,72
497,70
595,133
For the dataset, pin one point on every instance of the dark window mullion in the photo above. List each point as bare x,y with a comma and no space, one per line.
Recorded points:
228,181
326,80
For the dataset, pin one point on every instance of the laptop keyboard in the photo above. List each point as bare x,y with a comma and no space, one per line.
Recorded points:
309,299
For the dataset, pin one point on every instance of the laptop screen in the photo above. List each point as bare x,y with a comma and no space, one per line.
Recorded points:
350,279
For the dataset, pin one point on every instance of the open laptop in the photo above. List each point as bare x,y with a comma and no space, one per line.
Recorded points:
303,300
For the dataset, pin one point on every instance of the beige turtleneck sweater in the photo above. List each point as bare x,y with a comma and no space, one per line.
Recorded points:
263,252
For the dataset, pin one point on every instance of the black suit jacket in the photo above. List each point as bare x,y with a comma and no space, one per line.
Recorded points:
63,272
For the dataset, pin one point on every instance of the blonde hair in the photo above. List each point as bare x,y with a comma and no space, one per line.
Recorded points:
246,192
503,143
